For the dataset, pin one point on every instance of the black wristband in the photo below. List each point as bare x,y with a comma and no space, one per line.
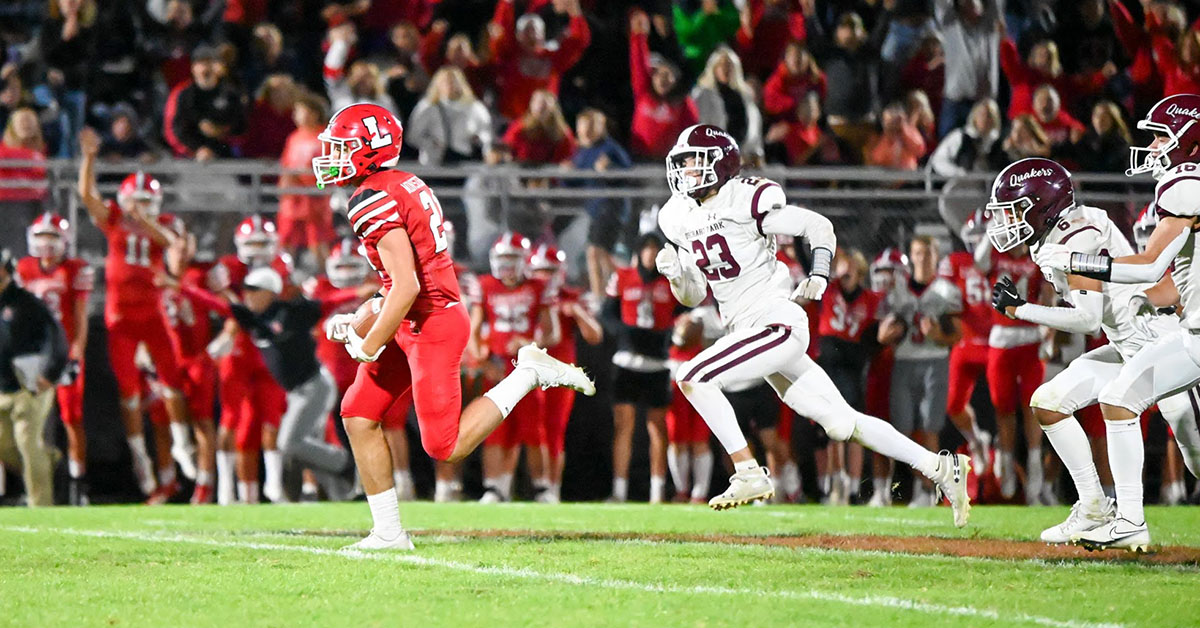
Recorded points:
1093,266
822,260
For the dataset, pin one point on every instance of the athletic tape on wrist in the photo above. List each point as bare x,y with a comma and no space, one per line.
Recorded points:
822,260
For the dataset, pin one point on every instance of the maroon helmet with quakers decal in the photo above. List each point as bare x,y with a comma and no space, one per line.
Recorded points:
703,159
1027,198
1175,122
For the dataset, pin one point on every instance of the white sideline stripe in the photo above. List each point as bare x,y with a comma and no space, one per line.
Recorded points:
879,601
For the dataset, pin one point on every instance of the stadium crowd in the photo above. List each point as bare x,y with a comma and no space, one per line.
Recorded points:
955,86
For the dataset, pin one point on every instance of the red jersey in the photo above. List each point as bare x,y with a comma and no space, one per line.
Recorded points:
847,318
511,311
133,260
393,199
333,300
565,349
191,318
1027,277
960,269
643,305
61,288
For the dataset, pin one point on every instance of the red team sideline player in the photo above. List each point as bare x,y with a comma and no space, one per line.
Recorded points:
137,237
63,284
399,221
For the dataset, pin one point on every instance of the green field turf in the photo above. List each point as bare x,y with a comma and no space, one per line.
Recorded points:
281,566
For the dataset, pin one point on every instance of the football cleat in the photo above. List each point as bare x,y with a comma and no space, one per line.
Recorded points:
1080,520
374,541
552,373
185,455
491,495
202,495
745,487
163,494
880,499
1116,534
950,479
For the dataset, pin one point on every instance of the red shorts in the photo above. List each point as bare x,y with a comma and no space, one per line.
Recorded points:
556,412
200,386
304,221
70,400
684,423
124,336
250,398
525,425
1013,374
397,415
426,358
967,363
879,386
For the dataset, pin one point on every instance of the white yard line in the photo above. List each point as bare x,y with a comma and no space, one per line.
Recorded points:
871,601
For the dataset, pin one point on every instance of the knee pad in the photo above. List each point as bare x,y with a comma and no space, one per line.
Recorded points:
831,412
1047,398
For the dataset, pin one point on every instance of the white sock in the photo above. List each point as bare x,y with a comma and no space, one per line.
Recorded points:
745,465
1070,442
556,490
702,466
823,483
504,484
679,462
273,465
181,434
443,489
790,478
225,478
203,478
512,389
137,447
401,478
166,475
714,408
1033,461
75,468
1126,455
385,514
658,486
621,488
882,438
248,492
881,486
309,488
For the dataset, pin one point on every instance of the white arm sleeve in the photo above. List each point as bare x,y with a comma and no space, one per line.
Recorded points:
1084,318
689,288
797,221
1150,273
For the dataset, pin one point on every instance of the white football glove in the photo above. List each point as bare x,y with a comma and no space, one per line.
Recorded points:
1054,256
811,289
354,347
668,264
336,326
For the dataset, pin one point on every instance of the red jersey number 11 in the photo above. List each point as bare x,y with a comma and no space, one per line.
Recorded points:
137,250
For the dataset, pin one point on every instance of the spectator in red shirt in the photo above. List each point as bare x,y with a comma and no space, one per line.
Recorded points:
541,136
797,75
659,113
304,220
1044,67
270,117
23,141
926,71
802,139
437,51
1135,39
767,28
1060,126
898,145
523,62
1178,63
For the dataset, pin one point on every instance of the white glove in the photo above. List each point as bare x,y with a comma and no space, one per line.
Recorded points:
1054,256
220,346
810,289
668,264
354,347
336,326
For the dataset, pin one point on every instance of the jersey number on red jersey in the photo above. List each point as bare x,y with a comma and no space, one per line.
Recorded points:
137,250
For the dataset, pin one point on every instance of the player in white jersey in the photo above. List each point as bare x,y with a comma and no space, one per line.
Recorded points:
724,227
1171,364
1033,202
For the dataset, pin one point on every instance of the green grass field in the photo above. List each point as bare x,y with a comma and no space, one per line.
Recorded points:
578,565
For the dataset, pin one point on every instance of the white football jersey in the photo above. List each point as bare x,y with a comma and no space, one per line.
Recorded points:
1178,194
725,238
1089,230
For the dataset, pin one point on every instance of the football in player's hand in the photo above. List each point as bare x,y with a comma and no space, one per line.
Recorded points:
688,332
365,315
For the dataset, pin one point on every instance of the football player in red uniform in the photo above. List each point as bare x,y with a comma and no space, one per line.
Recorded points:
549,264
889,270
969,358
516,311
689,455
421,320
252,402
137,237
63,284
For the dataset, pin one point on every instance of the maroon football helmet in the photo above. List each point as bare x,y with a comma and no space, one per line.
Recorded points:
1178,119
714,157
1027,198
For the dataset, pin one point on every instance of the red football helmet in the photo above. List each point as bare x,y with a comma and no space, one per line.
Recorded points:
1144,226
47,236
508,256
714,157
140,186
1177,119
256,241
360,139
347,264
549,258
974,230
889,267
1027,198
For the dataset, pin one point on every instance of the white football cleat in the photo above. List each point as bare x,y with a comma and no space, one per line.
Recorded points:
374,541
1080,520
553,373
745,487
1116,534
491,496
185,456
880,499
950,479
